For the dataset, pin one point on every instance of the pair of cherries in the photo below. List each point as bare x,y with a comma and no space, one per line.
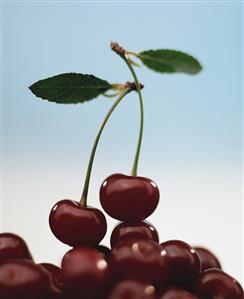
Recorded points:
126,198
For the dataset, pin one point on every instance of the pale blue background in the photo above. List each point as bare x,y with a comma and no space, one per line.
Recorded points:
193,125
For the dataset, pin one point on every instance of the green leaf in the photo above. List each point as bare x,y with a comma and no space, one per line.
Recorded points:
170,61
70,88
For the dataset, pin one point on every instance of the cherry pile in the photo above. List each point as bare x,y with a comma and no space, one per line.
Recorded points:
137,266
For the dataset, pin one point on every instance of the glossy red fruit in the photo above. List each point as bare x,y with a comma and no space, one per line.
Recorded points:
75,225
130,289
22,279
214,283
85,273
133,230
13,247
55,279
184,262
207,258
129,198
140,260
177,293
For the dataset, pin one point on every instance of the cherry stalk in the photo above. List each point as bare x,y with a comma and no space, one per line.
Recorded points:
83,200
124,55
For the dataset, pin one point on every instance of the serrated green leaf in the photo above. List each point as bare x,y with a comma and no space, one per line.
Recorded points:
170,61
70,88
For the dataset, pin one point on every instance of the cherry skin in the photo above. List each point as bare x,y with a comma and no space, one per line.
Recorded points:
13,247
129,198
139,260
207,258
214,283
184,262
85,273
75,225
129,289
135,230
23,279
55,279
177,293
104,250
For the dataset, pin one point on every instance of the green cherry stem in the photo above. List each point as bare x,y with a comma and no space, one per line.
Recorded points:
123,93
124,55
138,149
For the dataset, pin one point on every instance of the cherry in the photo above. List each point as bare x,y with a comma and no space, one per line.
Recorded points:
13,247
207,258
76,225
184,262
139,260
136,230
55,278
23,279
85,273
129,198
214,283
130,289
177,293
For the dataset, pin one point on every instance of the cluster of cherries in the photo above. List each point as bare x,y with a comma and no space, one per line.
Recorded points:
136,267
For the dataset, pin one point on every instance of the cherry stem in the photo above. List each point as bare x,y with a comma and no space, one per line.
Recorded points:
123,93
138,88
123,54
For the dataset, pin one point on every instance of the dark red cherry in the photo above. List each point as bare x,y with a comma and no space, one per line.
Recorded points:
135,230
129,198
184,262
130,289
13,247
85,273
139,260
55,278
75,225
214,283
207,258
177,293
22,279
